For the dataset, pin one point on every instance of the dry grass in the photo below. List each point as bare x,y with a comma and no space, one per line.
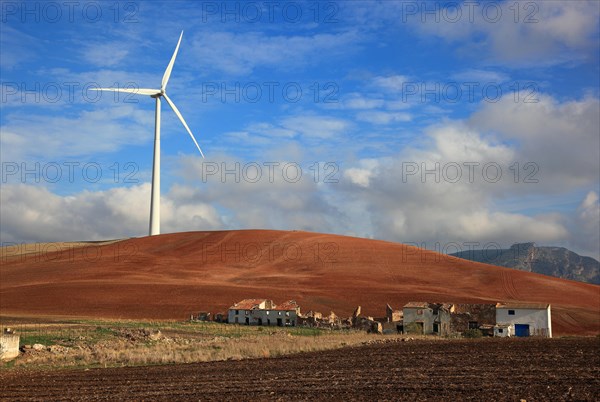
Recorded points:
170,351
131,344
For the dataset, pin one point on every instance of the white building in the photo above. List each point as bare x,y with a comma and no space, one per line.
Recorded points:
523,319
9,345
264,312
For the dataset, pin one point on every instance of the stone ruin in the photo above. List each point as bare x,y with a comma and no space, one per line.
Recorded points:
316,319
9,345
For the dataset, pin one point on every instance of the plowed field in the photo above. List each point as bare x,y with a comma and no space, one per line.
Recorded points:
488,369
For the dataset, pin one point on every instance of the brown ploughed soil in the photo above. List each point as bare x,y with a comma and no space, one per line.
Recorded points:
487,369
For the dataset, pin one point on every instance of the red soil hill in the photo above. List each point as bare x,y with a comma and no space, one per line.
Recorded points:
173,275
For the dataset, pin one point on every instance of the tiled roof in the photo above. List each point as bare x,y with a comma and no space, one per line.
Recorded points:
532,306
287,306
416,305
247,304
253,304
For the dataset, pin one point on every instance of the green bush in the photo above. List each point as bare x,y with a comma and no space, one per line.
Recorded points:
472,333
413,328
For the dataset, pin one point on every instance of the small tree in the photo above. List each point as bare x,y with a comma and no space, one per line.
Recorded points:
472,333
413,328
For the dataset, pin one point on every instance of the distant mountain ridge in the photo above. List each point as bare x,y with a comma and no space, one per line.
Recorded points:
553,261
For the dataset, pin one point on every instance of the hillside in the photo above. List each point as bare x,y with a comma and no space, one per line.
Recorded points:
554,261
173,275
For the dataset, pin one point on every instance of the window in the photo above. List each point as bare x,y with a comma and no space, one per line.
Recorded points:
419,312
511,312
287,313
247,312
267,312
237,312
279,313
473,325
500,330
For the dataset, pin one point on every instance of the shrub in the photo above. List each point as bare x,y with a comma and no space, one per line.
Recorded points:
413,328
472,333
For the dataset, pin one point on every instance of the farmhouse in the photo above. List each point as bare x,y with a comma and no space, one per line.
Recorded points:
523,319
473,316
427,318
264,312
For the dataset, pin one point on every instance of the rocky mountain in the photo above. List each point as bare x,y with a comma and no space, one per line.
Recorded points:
554,261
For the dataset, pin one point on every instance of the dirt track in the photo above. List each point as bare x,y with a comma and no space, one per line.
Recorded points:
490,369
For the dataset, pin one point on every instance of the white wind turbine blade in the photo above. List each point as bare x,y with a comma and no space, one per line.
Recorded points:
170,102
170,66
138,91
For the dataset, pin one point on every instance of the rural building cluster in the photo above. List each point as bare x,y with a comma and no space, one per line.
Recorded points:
425,318
501,319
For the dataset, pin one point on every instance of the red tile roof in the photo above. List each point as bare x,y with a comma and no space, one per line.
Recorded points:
253,304
287,306
247,304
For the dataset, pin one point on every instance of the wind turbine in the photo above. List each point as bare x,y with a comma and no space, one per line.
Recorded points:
157,94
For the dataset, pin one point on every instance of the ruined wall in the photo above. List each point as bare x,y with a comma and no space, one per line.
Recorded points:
423,316
481,314
9,346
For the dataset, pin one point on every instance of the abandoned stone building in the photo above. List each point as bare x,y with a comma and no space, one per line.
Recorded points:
264,312
473,316
427,318
392,315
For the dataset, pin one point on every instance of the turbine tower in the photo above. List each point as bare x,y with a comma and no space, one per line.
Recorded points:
157,94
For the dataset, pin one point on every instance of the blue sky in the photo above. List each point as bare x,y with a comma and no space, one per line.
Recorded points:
418,122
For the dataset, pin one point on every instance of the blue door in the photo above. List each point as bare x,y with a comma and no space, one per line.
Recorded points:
522,329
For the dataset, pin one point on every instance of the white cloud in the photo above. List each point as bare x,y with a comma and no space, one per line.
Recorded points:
480,76
239,54
271,130
542,33
307,126
106,54
391,83
586,226
316,126
361,176
35,214
429,206
50,136
17,47
560,138
356,101
379,117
